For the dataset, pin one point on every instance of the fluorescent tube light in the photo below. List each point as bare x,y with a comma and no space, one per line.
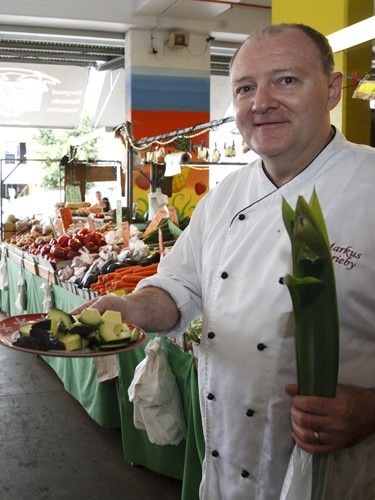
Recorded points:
353,35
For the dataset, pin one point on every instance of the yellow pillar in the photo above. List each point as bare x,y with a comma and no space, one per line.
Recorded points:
352,116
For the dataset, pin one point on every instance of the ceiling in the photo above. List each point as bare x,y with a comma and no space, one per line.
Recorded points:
92,34
82,36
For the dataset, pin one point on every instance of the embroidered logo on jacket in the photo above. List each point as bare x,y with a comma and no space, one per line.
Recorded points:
345,256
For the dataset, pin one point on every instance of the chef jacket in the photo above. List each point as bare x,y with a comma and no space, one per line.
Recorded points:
226,265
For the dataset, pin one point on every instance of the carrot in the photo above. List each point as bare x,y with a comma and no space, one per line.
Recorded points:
151,267
133,269
146,270
123,278
141,275
131,278
103,278
127,270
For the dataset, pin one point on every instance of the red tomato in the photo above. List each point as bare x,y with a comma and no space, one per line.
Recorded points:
63,240
74,243
80,237
91,246
58,251
45,250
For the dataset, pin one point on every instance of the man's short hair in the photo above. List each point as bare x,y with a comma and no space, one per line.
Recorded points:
319,40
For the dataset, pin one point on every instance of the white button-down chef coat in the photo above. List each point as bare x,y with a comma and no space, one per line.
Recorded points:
227,265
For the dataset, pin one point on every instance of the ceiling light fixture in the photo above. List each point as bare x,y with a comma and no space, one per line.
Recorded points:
353,35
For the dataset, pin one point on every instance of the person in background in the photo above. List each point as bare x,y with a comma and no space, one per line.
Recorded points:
107,205
100,205
100,202
227,263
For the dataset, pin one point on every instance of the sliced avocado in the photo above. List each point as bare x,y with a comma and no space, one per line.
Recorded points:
85,343
115,344
110,330
56,315
134,336
95,335
114,316
116,341
125,332
82,330
45,339
93,340
44,324
61,327
90,316
28,342
71,341
42,336
124,335
39,333
25,328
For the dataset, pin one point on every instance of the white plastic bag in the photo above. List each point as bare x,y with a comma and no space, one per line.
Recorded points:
351,474
297,482
4,283
21,298
156,398
47,295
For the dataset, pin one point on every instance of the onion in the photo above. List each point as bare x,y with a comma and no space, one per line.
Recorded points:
36,228
46,229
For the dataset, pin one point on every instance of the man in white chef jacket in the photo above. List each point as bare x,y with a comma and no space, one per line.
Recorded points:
226,265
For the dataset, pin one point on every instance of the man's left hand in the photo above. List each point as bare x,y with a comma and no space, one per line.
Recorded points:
325,425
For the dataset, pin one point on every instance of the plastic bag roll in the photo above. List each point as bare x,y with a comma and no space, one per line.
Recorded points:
173,162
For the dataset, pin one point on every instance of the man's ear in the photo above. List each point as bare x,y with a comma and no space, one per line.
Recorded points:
335,86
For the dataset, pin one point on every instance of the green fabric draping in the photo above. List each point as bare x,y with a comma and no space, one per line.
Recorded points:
79,378
185,459
107,402
77,374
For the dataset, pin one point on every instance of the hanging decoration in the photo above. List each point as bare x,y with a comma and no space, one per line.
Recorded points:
365,88
152,163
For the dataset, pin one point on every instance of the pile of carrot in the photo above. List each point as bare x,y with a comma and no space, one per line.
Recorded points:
125,278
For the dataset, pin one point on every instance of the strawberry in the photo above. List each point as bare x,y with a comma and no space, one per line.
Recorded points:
200,188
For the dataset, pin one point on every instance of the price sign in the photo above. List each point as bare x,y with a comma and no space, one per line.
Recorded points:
155,222
66,217
91,224
125,233
58,228
173,215
161,242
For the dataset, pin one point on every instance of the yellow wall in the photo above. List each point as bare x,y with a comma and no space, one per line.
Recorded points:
352,116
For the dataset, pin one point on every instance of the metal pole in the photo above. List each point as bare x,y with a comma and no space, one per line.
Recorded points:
175,133
1,199
129,183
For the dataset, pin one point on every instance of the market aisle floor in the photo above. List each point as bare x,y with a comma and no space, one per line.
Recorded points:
50,449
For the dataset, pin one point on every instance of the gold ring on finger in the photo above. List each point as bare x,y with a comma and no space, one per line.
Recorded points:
316,436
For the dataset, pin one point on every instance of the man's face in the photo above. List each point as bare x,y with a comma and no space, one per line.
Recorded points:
282,97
